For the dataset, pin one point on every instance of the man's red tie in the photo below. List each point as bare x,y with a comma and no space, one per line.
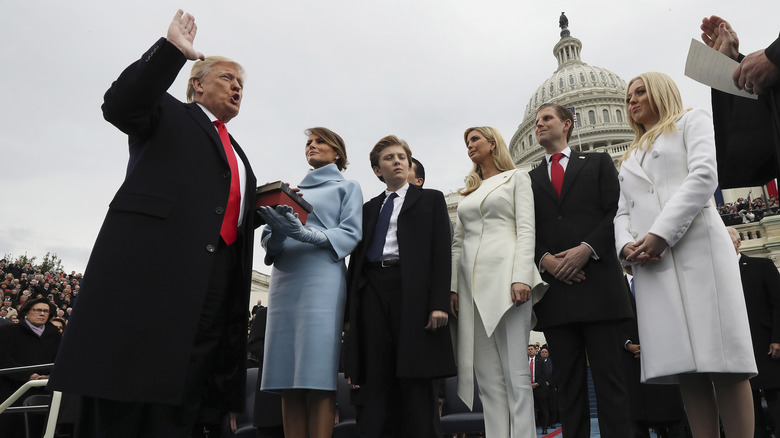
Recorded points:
556,173
229,229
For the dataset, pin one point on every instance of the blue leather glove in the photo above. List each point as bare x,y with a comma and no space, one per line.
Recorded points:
277,221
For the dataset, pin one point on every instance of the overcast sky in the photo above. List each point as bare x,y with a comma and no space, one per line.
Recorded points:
424,70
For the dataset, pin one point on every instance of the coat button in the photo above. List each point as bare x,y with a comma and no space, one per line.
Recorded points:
211,248
219,210
560,218
620,177
650,189
654,154
226,175
679,235
631,202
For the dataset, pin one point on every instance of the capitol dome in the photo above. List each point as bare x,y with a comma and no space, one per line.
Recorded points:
597,96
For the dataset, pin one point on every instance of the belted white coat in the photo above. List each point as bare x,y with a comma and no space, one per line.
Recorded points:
690,307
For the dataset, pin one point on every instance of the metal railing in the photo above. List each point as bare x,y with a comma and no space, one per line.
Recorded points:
53,408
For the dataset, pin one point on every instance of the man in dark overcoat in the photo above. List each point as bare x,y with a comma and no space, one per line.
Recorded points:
183,221
398,298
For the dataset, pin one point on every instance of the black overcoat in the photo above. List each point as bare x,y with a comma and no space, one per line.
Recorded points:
425,253
155,249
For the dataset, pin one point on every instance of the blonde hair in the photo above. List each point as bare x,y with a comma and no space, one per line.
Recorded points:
201,68
500,154
665,102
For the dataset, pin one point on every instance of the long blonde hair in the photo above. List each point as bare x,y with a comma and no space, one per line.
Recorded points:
500,154
665,102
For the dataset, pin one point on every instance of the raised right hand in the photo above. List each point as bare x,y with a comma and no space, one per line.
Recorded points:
181,33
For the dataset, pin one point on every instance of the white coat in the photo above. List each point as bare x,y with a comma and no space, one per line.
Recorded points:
493,247
690,307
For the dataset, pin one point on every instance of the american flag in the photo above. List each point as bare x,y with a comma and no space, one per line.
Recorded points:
573,113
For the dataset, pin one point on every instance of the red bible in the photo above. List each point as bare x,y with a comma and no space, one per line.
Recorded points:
279,193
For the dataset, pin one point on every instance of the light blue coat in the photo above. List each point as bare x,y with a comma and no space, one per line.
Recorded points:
308,288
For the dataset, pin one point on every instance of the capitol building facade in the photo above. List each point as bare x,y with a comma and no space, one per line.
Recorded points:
596,96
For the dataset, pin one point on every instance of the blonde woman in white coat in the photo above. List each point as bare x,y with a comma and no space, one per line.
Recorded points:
690,307
494,286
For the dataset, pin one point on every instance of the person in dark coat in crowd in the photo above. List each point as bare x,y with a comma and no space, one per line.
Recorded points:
652,406
268,405
540,383
31,342
761,285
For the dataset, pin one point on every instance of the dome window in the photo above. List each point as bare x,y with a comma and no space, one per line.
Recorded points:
582,78
571,79
592,117
605,115
560,83
603,78
619,116
592,77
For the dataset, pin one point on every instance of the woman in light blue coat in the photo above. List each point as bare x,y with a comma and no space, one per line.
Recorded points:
308,288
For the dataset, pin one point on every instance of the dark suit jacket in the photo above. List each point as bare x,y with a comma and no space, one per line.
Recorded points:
155,250
583,213
540,369
425,254
761,285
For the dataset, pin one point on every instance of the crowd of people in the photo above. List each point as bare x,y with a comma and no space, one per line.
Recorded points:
419,300
747,210
20,283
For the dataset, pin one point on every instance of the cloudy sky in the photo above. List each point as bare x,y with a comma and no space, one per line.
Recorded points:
421,69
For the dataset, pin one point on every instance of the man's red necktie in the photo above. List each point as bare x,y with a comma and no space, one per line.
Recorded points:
229,229
556,173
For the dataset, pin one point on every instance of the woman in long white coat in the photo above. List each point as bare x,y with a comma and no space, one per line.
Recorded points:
494,286
690,307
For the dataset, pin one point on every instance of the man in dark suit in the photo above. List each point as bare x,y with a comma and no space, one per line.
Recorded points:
761,285
540,386
183,221
575,200
398,296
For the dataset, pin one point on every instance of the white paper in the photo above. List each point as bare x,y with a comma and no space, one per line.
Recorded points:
712,68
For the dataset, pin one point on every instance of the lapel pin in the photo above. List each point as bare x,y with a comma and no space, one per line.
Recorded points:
581,157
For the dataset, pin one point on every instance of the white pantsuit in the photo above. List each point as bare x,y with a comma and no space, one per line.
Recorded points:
493,248
690,307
